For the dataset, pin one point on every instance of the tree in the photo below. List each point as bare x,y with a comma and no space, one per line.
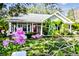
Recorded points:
52,7
44,8
2,5
71,15
3,24
16,9
3,11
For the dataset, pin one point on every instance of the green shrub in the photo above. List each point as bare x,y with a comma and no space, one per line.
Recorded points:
29,34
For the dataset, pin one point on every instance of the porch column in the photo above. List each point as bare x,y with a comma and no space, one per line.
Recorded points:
17,25
9,26
70,28
32,27
27,27
37,27
41,29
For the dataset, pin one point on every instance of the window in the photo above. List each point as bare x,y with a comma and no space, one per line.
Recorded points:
24,27
20,25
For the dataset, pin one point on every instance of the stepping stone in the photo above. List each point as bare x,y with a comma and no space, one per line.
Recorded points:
19,53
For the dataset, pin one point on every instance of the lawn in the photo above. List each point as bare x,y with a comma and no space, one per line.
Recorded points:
44,47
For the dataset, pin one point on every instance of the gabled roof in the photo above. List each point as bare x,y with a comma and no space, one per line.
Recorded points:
63,18
39,18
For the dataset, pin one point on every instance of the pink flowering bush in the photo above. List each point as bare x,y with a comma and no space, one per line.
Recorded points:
5,43
19,36
20,40
36,36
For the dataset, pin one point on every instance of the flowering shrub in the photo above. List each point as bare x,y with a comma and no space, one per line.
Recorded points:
36,36
5,43
19,38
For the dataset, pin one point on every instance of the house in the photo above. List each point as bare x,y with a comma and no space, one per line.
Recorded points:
34,22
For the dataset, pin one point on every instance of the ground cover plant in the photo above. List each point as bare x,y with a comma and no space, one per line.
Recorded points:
43,47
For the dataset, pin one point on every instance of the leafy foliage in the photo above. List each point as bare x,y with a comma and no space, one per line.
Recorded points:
44,47
3,24
75,27
47,8
2,5
71,15
53,27
17,9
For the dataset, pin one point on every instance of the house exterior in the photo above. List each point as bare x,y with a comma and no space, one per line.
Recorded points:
34,22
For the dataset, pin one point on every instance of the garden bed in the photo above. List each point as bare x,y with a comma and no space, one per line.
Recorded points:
43,47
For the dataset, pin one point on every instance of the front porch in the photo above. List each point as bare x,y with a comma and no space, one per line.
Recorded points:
27,27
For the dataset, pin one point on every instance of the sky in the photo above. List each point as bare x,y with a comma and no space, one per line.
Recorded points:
67,6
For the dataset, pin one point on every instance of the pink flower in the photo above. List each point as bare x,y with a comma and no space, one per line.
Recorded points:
36,36
20,36
20,40
20,31
5,43
33,36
